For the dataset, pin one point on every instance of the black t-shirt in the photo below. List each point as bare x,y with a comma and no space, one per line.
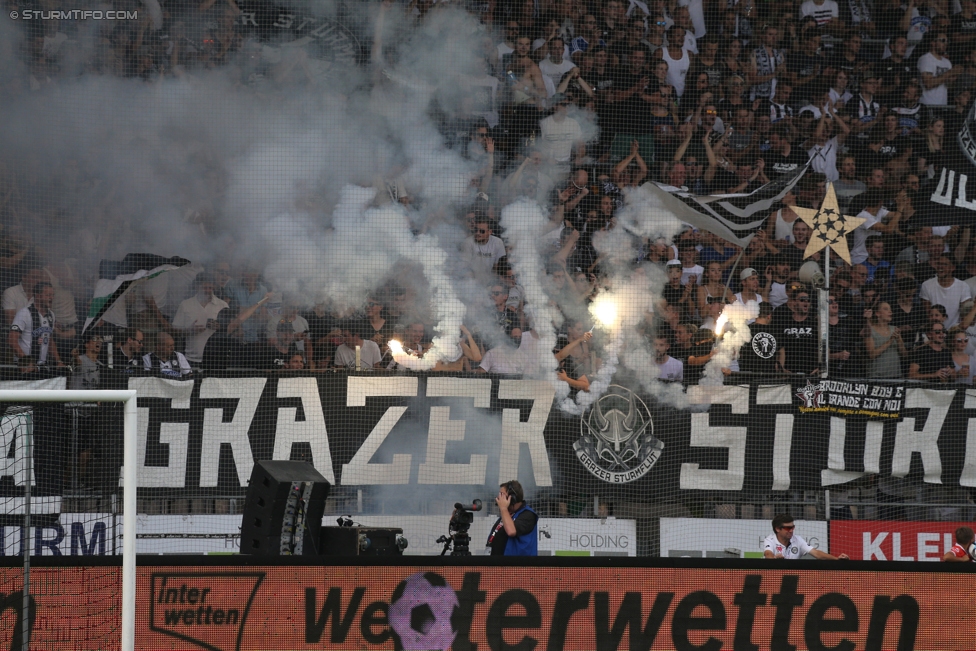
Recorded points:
804,65
800,339
266,356
793,255
930,361
701,349
777,164
964,27
895,76
844,336
223,351
840,62
899,317
630,115
498,539
673,294
758,355
891,149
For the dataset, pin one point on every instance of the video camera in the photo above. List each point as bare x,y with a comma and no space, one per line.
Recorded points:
458,527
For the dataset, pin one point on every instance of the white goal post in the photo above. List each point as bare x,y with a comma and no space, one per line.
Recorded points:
130,461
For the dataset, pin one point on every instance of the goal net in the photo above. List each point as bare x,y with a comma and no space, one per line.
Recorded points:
54,501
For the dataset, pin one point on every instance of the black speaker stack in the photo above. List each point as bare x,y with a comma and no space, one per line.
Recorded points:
283,509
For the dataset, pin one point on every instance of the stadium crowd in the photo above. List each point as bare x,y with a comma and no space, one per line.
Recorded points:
577,103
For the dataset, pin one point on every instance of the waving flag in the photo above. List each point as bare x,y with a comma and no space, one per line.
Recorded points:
134,267
733,217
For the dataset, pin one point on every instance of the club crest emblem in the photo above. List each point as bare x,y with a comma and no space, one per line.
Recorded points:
617,442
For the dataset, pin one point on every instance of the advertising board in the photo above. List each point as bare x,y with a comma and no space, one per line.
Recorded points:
561,607
894,540
725,538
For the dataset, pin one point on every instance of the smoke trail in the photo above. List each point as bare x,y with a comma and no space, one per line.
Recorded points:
732,331
525,224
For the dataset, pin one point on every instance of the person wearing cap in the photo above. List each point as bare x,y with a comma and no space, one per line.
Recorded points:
559,134
749,278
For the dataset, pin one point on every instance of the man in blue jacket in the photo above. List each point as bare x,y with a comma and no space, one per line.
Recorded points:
514,534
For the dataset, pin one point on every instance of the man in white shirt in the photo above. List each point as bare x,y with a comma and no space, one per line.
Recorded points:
555,65
877,220
669,368
503,358
197,317
19,296
936,71
369,352
482,250
559,134
691,271
945,290
783,543
823,12
31,337
507,46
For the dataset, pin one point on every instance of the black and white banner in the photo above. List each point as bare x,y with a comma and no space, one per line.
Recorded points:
456,433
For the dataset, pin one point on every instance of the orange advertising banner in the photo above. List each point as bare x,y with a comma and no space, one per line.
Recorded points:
276,608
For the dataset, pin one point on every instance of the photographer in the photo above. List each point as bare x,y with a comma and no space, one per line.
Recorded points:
514,534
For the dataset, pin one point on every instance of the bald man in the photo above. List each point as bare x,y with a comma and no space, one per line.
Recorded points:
165,361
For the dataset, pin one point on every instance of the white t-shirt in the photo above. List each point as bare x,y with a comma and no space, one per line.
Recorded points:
822,12
823,159
483,92
29,336
696,11
797,548
688,272
15,298
557,138
369,354
190,314
672,370
937,95
555,71
948,297
482,257
777,294
503,359
677,70
859,252
758,299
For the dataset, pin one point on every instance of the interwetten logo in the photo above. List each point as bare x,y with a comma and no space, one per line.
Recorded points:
208,609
